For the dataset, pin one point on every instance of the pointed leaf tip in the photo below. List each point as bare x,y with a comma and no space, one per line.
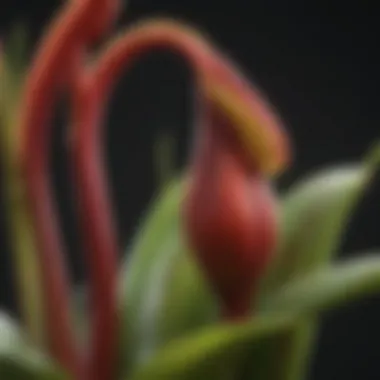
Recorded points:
329,287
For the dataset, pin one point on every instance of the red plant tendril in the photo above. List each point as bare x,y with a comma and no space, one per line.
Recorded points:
230,108
210,70
79,24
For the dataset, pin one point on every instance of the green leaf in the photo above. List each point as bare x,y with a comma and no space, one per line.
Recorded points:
215,353
163,293
164,159
25,264
176,302
223,349
14,59
18,360
328,287
155,236
168,296
162,216
315,214
188,303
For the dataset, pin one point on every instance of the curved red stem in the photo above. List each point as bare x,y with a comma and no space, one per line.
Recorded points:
88,164
101,245
95,210
51,70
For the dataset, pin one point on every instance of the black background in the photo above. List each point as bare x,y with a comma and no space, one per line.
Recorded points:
317,63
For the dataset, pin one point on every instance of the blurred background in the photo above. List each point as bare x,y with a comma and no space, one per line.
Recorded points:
316,62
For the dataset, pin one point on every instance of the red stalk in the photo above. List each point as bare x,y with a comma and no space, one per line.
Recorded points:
93,94
58,63
95,210
100,239
77,24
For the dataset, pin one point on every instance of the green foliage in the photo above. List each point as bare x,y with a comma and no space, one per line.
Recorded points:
20,361
220,352
328,286
169,298
215,353
316,212
13,66
169,316
164,161
151,243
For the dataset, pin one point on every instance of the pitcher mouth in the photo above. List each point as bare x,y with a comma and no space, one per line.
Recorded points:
257,127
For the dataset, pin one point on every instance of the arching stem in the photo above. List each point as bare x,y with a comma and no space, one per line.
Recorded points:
88,157
75,25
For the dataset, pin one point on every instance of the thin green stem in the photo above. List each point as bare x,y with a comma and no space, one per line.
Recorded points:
26,269
164,160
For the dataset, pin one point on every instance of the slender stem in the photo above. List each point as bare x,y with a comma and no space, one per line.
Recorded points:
101,249
95,209
163,159
88,166
92,92
79,20
27,274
